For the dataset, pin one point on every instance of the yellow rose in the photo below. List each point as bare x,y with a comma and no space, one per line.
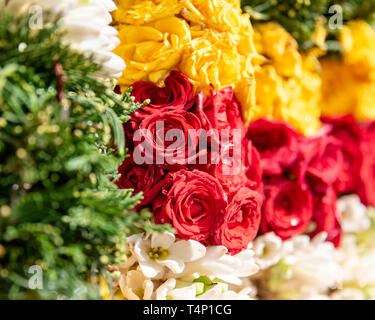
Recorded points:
287,83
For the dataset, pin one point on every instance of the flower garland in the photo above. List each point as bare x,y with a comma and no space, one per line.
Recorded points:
273,188
245,144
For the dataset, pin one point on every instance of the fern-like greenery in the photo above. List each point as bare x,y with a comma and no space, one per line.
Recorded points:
59,207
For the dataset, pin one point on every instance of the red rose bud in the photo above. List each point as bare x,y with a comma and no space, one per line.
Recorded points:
367,170
276,143
239,224
326,217
287,208
176,95
191,204
346,130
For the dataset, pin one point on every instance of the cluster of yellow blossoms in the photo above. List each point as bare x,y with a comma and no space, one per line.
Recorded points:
210,41
288,84
349,84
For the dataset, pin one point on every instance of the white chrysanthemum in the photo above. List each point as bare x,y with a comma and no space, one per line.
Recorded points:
354,213
87,26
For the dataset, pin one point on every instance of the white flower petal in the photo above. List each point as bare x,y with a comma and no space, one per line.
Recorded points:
354,214
131,285
267,250
162,291
223,266
148,290
114,66
175,264
187,250
187,293
149,267
164,240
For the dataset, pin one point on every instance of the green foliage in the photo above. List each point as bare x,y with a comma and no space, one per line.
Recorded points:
357,9
300,17
59,207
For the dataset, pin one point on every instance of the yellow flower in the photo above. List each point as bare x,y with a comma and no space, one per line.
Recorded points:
140,12
220,15
358,41
210,41
287,83
348,85
344,92
151,51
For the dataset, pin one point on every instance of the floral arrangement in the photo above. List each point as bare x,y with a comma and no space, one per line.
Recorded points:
232,138
265,193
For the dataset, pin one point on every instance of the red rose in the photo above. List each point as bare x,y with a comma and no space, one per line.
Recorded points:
220,111
367,170
253,168
176,95
287,207
191,204
324,164
170,139
239,224
276,143
346,130
236,172
326,216
145,178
